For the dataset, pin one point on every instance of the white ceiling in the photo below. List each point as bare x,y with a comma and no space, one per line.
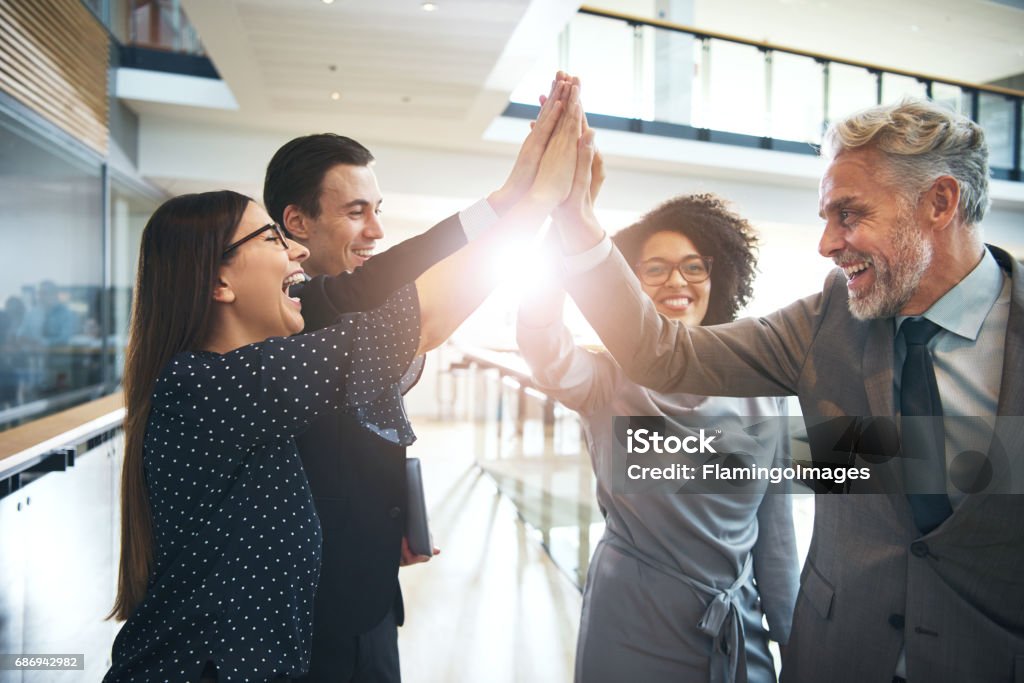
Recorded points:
401,74
971,40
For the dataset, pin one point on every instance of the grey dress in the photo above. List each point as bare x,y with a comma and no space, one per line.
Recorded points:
665,559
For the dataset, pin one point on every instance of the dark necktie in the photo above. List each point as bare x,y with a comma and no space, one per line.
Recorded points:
924,440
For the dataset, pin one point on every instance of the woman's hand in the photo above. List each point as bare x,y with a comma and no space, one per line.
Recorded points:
558,164
574,218
571,211
524,171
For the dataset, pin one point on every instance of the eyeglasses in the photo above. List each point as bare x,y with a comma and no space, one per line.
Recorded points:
255,233
656,272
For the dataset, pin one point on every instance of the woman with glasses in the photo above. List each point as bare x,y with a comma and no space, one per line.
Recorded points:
220,546
670,593
220,543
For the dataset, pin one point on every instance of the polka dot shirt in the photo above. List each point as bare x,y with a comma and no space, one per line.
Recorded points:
237,540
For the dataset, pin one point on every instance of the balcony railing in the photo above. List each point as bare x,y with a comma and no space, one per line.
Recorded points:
652,76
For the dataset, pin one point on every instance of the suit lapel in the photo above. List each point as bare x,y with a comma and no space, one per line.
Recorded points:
877,363
878,376
1011,388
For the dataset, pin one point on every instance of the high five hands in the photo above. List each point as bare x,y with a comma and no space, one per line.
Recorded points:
558,169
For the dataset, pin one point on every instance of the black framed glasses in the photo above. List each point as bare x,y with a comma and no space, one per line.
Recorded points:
256,233
656,271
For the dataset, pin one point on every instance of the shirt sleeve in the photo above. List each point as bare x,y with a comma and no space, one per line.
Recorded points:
775,555
749,357
477,219
589,259
324,298
275,388
561,369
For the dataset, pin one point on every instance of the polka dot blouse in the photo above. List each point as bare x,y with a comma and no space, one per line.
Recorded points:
237,540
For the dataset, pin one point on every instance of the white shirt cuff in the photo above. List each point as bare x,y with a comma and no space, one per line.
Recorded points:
584,261
477,219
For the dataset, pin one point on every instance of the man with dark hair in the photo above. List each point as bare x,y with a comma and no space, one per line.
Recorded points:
322,189
921,327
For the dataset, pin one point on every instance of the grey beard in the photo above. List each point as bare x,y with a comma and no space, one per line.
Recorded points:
896,280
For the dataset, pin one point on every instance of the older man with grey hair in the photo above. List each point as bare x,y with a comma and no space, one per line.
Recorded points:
920,327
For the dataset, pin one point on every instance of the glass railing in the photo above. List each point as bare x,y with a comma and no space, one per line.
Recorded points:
155,25
154,35
535,450
655,77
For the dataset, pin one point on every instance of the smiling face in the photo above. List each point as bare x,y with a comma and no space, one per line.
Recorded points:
345,233
871,232
676,299
254,281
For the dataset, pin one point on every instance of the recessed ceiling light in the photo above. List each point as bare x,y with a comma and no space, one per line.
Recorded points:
335,95
328,2
429,6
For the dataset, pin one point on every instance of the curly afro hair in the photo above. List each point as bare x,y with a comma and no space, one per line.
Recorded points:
716,231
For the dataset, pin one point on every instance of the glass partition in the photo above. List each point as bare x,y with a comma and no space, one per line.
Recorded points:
995,114
603,55
798,98
51,286
736,96
675,75
154,24
952,96
895,87
850,88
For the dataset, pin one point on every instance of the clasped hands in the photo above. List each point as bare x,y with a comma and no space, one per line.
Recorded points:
558,170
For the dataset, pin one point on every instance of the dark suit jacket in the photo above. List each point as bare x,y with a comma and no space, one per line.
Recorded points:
358,478
871,582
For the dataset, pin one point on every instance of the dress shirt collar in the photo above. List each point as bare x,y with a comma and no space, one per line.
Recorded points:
963,309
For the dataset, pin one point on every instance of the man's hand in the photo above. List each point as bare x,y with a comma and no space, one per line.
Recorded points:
575,221
525,169
581,200
557,167
597,172
409,558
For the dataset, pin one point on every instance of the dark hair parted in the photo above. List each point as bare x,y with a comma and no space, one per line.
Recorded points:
716,231
295,175
179,261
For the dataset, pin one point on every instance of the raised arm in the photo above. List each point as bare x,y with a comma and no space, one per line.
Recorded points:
454,288
276,387
324,298
749,357
580,379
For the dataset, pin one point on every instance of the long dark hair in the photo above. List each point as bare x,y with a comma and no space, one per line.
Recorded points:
179,261
716,231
